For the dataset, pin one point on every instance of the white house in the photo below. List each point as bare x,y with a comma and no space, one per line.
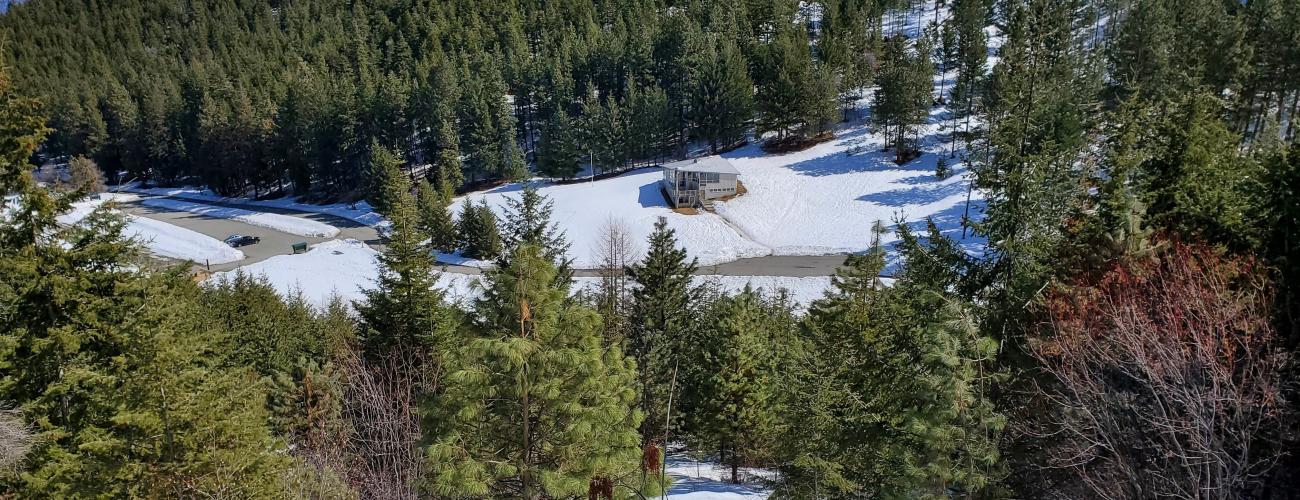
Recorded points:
693,182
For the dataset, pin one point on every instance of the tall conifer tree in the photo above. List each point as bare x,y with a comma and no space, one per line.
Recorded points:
535,406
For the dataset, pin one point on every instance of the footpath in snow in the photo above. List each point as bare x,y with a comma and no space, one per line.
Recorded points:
284,223
160,238
345,268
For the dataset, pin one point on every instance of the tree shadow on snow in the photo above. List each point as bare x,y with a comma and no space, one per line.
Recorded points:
916,195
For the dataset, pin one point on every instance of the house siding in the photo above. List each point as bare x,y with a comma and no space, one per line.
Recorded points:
680,186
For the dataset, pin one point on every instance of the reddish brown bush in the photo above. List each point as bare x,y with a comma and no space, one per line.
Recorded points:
1162,377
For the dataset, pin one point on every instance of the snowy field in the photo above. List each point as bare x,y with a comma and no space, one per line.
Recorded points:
347,267
825,199
283,223
634,200
160,238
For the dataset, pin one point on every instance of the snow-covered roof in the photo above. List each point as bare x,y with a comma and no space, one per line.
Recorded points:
711,164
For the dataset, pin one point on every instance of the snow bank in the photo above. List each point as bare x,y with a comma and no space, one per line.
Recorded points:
284,223
159,238
336,267
360,212
634,200
176,242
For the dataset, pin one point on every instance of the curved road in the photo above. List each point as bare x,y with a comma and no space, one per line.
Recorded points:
279,243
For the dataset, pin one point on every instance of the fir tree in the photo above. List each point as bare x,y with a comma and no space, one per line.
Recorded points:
735,382
1038,100
387,182
108,365
476,231
534,406
967,23
558,151
794,94
405,312
724,100
903,100
435,220
650,125
527,221
659,319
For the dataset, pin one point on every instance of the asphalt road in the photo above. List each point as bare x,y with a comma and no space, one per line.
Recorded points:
278,243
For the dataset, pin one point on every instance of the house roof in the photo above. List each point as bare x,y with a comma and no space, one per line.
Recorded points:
712,164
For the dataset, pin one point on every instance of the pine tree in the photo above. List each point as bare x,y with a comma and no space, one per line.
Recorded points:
794,95
435,220
967,23
534,406
659,319
724,100
405,313
903,99
387,182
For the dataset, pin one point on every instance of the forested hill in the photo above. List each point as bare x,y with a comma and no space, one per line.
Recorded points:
246,94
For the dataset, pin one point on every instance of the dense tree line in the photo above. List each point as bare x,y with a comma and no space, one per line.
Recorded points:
1125,331
263,97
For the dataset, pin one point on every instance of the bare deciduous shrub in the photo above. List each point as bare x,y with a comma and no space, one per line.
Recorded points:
617,249
15,440
83,173
1162,377
375,449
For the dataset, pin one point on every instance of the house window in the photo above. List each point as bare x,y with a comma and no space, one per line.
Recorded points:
709,177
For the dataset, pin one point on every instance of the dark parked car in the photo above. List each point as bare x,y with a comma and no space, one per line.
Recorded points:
239,240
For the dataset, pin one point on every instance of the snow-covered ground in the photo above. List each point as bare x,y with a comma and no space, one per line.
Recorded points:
160,238
347,267
284,223
705,480
359,212
337,267
634,200
343,268
825,199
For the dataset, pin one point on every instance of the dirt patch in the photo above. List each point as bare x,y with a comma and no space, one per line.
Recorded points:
796,143
687,211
